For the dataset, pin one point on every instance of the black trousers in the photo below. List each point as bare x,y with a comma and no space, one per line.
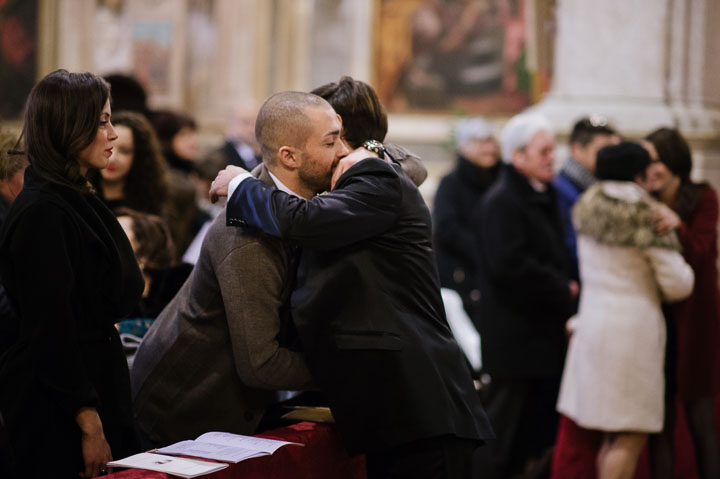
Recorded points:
442,457
523,415
7,460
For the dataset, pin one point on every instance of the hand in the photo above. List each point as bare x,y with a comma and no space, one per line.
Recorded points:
665,219
571,326
574,288
348,161
219,187
95,449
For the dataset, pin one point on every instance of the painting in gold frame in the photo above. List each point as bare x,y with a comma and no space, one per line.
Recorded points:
463,56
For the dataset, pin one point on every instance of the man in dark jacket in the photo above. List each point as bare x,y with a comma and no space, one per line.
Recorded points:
527,295
588,136
454,232
367,302
240,148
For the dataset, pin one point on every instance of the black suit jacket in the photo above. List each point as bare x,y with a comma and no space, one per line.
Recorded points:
455,232
525,272
368,309
232,157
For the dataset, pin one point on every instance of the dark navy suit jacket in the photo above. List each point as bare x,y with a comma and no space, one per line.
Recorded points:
368,309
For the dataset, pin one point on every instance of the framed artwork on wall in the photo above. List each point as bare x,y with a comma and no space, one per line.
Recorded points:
18,55
152,52
146,40
455,56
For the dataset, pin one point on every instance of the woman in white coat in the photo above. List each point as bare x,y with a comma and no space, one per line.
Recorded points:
613,378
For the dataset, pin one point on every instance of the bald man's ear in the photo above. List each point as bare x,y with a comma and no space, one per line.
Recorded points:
289,157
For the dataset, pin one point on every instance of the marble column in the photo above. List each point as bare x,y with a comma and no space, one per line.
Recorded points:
643,64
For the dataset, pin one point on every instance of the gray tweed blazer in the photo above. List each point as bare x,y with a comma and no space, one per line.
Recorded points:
211,360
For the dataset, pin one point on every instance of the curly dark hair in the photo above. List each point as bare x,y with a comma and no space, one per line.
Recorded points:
146,184
167,124
155,248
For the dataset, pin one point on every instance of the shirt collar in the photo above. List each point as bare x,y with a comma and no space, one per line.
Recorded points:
244,150
281,186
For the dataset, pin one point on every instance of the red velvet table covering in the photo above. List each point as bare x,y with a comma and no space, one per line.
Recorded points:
322,457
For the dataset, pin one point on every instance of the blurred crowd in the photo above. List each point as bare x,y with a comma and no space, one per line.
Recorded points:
594,290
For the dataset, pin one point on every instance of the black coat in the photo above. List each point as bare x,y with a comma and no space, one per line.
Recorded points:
455,233
71,274
368,309
8,318
232,157
525,273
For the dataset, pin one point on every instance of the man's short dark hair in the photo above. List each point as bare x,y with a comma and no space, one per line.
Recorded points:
363,115
127,94
586,128
282,121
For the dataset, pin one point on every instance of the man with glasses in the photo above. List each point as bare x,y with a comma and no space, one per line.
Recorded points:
527,295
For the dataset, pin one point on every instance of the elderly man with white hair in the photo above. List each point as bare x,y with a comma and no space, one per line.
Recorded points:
459,193
527,295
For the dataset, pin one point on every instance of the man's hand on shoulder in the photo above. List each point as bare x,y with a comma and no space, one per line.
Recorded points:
219,187
349,161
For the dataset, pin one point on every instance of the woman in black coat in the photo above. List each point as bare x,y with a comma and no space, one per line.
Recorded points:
71,275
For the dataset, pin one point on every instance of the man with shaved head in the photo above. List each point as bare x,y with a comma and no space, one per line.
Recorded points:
367,303
230,317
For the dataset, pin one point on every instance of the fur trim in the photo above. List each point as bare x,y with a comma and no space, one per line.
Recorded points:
618,222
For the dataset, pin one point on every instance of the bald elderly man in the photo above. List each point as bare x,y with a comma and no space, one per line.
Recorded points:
527,294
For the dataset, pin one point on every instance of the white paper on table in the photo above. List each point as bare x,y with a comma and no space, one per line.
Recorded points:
171,465
224,446
259,444
211,451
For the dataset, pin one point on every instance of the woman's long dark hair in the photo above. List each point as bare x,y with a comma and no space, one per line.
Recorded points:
146,184
673,150
62,117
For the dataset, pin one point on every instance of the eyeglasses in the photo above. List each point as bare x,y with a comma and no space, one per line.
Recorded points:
597,121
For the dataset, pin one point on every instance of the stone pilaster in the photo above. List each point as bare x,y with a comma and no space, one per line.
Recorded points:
643,64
